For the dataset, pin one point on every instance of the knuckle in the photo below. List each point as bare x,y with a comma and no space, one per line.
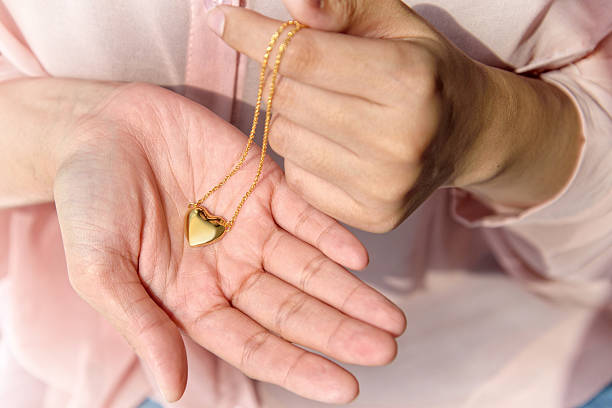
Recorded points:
312,269
415,70
250,348
282,88
247,284
388,191
350,295
149,322
398,60
290,369
278,135
77,281
267,83
398,149
200,320
428,85
425,80
387,224
302,220
381,221
271,244
324,233
397,70
294,180
302,56
91,279
345,10
286,312
388,195
334,335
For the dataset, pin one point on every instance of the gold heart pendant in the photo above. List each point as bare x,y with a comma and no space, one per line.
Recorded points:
202,228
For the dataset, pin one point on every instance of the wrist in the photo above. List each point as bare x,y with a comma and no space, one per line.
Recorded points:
37,121
528,144
76,102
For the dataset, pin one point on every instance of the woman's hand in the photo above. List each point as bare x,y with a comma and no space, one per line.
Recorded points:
373,119
127,171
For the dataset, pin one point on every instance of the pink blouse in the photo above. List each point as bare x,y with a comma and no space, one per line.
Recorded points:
476,338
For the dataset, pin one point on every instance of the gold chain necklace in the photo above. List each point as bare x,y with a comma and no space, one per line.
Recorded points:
202,227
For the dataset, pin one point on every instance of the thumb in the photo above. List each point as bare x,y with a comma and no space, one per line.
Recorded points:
365,18
121,299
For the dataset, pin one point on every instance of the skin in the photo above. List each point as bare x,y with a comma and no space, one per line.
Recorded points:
375,110
121,163
364,142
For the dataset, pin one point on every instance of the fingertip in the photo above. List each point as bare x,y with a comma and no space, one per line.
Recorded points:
317,4
400,323
320,379
362,344
346,390
356,254
373,308
167,359
345,249
348,395
172,395
388,350
172,387
391,318
216,20
382,349
360,259
316,14
354,257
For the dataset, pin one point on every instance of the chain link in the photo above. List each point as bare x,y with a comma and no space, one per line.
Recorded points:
262,80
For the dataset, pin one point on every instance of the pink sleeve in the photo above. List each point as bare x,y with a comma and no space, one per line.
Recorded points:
569,237
7,70
16,57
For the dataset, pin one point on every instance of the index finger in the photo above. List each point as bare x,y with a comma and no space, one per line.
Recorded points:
332,61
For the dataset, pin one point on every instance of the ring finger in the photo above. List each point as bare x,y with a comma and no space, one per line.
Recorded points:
302,319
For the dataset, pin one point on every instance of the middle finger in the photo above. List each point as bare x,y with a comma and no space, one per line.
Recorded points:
314,152
306,268
344,119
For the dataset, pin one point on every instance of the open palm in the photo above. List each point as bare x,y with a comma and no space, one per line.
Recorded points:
275,279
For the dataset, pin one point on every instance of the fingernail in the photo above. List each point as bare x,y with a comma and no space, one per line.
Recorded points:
216,21
167,395
211,4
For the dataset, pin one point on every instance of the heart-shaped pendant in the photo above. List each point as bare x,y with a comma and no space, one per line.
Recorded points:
202,228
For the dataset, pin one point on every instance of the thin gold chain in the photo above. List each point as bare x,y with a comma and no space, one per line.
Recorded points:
262,80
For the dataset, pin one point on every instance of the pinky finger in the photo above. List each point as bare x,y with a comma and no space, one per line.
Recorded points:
330,199
234,337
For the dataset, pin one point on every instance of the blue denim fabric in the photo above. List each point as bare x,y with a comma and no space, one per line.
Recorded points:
601,400
149,404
